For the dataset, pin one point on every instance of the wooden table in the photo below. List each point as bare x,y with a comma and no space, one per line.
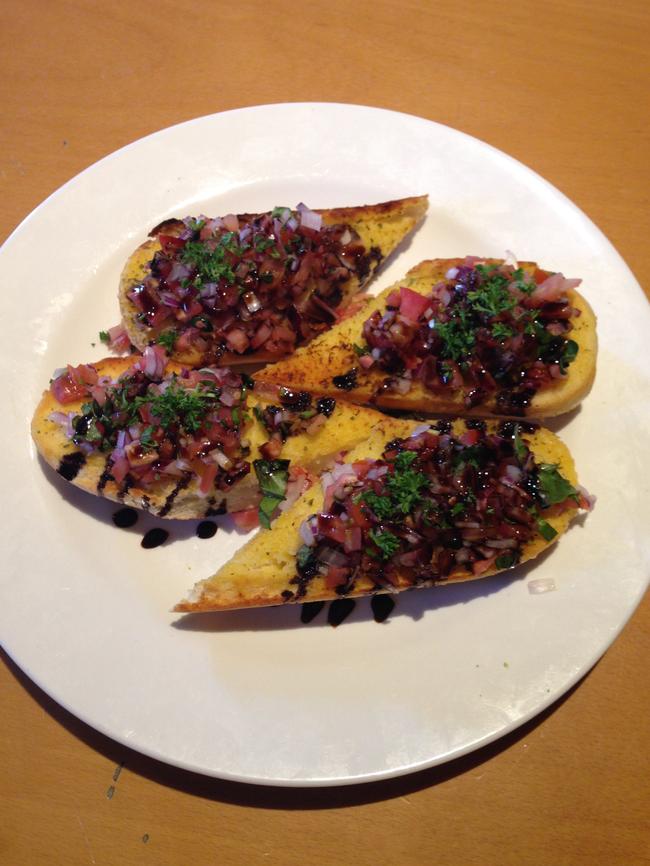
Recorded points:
563,87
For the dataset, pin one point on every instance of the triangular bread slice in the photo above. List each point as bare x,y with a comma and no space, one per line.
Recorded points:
345,425
332,356
378,230
263,572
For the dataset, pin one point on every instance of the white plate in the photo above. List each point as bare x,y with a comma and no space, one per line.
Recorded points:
255,696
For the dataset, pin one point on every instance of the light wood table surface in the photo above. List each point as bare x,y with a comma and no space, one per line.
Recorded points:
562,86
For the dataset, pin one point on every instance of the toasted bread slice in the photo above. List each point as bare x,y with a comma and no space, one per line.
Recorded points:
240,315
181,497
331,359
264,571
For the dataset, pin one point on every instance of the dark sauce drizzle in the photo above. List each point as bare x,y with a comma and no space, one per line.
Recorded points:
206,529
105,476
310,610
182,484
125,517
347,381
382,607
154,538
70,465
340,610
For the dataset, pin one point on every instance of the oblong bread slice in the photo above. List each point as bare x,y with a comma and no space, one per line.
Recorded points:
347,425
313,367
381,228
261,572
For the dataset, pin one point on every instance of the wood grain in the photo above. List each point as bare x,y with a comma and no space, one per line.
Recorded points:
563,87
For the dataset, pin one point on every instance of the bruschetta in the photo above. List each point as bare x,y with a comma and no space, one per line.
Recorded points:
470,337
414,505
184,443
250,288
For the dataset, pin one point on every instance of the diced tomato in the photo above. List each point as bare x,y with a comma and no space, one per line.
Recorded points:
539,276
246,520
66,390
208,472
331,527
336,576
355,511
412,304
171,244
470,437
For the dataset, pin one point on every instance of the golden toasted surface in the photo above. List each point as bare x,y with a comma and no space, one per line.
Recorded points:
313,367
381,226
262,570
347,425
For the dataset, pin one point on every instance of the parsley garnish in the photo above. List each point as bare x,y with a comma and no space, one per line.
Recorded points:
381,505
104,337
272,477
387,543
168,340
211,265
403,490
501,331
179,406
493,297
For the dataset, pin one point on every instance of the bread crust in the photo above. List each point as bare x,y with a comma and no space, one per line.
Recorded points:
261,571
347,425
381,226
313,367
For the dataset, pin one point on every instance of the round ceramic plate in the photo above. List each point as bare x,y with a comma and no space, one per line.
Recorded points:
256,696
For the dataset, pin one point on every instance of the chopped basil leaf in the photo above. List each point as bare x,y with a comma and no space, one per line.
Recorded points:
272,477
521,451
553,487
303,555
546,530
568,354
506,560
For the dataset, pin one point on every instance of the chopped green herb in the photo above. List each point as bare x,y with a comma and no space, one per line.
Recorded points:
521,451
360,350
104,336
272,477
211,265
303,555
381,505
569,354
546,530
179,406
501,331
553,487
168,340
505,560
387,543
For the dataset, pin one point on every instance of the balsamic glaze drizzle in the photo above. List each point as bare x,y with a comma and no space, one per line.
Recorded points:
340,610
70,465
310,610
154,538
382,606
181,485
125,517
206,529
